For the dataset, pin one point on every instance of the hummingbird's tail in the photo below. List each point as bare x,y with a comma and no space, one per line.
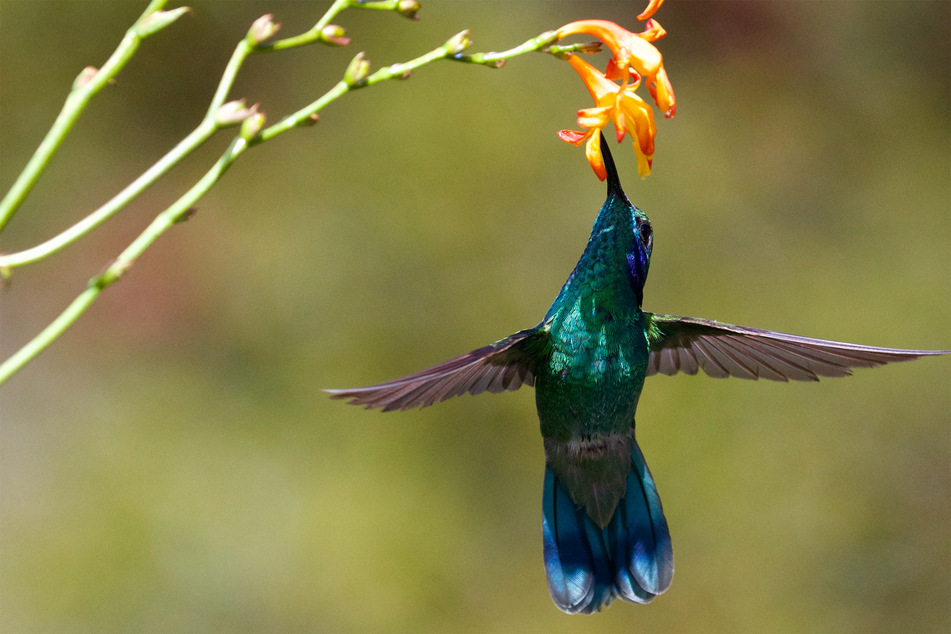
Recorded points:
631,558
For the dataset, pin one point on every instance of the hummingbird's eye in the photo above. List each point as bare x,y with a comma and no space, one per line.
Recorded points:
645,231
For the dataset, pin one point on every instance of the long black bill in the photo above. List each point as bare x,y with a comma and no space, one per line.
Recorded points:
614,183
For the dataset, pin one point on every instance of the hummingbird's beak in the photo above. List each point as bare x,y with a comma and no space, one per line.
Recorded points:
614,183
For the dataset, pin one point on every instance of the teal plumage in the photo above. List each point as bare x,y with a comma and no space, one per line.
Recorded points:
604,531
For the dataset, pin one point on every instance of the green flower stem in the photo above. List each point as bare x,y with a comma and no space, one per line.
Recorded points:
241,52
198,136
76,102
312,35
49,334
176,212
402,70
496,60
543,43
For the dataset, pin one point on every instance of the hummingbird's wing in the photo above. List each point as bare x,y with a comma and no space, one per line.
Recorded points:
503,365
684,344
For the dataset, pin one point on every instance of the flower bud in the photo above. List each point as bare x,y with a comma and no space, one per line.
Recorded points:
358,70
334,35
253,124
458,42
263,29
234,112
158,20
408,8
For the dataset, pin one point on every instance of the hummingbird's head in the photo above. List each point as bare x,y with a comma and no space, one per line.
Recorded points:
642,240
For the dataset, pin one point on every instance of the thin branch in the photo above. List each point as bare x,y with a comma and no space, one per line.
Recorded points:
84,88
198,136
121,264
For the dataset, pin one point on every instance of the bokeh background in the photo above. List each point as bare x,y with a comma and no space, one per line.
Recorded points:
171,464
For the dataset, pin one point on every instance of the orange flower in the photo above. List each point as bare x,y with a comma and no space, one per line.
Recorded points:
633,57
633,54
621,104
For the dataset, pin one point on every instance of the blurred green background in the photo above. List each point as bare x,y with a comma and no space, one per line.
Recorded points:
171,464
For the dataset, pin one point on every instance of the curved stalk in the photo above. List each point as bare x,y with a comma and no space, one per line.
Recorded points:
84,88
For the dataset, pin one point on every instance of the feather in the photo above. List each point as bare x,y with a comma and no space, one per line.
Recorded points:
681,344
504,365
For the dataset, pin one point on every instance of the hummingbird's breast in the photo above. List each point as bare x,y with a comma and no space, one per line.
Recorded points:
592,377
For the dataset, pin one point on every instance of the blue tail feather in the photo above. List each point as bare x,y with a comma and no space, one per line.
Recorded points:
602,594
644,564
568,560
588,566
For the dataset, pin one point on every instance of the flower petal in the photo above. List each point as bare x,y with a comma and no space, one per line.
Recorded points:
593,153
594,117
644,56
619,127
653,31
643,162
600,87
608,32
651,9
573,136
639,121
663,93
629,51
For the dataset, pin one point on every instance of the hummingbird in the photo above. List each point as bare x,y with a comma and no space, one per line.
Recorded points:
604,531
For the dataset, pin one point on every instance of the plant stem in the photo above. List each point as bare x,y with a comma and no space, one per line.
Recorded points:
49,334
313,34
497,59
198,136
126,259
76,102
